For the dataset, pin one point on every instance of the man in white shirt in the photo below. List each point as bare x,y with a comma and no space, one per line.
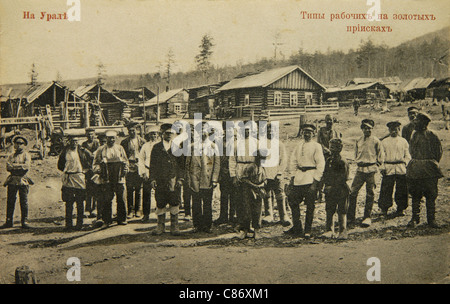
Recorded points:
306,167
368,154
144,170
395,158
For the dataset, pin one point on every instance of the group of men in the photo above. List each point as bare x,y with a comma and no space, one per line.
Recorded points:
97,171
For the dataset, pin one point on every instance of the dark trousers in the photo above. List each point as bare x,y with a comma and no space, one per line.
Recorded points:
186,196
71,196
251,209
358,182
146,198
91,187
166,197
134,185
202,209
278,189
298,194
419,188
387,188
336,199
227,200
117,190
11,202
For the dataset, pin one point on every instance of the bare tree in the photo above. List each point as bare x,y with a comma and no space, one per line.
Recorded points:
101,73
33,75
170,60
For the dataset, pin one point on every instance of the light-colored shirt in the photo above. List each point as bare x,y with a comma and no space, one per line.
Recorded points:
271,172
395,149
144,156
73,176
368,151
18,162
238,163
306,155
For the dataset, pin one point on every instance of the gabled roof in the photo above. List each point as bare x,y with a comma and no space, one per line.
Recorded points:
80,91
30,94
165,96
264,79
382,80
418,83
352,87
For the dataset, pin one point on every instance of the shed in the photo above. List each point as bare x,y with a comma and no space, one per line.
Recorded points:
417,87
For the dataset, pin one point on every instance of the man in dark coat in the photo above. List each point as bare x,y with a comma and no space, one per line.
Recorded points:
166,177
423,171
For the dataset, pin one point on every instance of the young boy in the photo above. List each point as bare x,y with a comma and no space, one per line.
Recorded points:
336,190
253,182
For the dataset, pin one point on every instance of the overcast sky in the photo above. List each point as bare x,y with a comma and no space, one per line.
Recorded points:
134,36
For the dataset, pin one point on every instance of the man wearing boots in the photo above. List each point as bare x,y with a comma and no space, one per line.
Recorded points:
393,171
111,164
368,156
335,178
305,168
423,172
202,173
132,146
144,170
74,161
17,164
166,177
275,177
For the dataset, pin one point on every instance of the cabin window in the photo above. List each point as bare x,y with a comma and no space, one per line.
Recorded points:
277,98
177,108
293,99
246,99
309,98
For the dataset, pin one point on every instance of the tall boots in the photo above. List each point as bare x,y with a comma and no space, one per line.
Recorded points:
343,235
174,230
161,225
284,218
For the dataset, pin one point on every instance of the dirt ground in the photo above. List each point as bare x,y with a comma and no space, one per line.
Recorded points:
131,254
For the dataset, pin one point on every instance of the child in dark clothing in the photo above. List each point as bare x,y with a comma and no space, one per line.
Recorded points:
336,190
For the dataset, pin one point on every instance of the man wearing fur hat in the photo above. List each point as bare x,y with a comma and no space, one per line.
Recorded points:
368,156
18,164
423,172
393,170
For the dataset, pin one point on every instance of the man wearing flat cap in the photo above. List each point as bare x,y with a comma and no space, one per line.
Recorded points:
409,128
393,170
423,172
368,156
17,164
132,146
74,161
305,168
144,170
91,144
166,177
111,164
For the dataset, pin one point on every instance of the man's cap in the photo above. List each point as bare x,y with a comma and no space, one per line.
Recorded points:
262,153
152,129
132,125
309,127
413,109
328,117
393,124
423,116
111,133
90,130
166,126
367,123
20,139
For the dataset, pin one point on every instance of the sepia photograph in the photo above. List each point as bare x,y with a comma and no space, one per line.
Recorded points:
224,149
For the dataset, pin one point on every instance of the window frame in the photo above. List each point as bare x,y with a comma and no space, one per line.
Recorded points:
292,94
280,94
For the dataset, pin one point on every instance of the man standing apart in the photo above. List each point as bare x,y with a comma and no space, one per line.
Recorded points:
166,177
74,161
18,164
144,170
395,158
112,165
423,172
132,146
91,144
305,168
368,156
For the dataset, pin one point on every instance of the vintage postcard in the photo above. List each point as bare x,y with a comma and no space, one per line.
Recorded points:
224,142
